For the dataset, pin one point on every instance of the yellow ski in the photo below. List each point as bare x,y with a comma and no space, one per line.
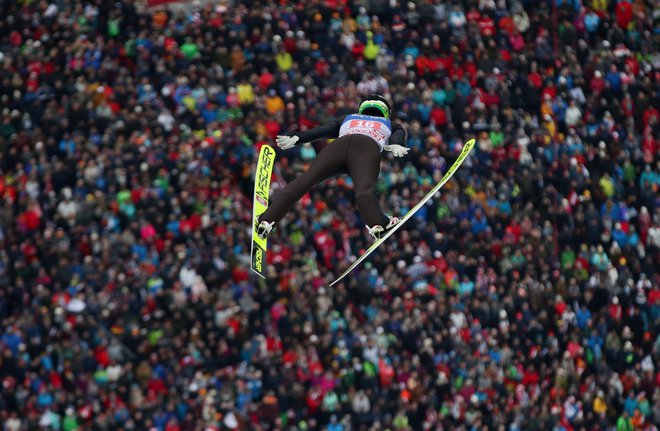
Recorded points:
260,203
461,157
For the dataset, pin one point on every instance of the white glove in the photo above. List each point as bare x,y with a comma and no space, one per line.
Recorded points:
397,150
286,142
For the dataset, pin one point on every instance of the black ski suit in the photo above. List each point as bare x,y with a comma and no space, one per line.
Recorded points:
356,151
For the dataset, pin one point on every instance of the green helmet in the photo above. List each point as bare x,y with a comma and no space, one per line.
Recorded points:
375,105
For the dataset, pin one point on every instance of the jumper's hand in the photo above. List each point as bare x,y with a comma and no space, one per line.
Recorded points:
397,150
286,142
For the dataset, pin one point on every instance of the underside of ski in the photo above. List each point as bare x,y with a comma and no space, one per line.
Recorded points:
260,204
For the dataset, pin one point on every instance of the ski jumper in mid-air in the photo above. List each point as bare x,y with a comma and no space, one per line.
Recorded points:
361,138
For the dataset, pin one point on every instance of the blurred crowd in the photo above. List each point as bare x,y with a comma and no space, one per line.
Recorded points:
525,296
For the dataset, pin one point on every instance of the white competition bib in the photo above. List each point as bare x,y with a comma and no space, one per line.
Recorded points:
377,128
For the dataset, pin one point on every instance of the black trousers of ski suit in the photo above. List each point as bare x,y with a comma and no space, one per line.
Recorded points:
358,155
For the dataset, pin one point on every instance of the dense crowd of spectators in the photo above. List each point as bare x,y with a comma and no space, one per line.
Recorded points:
523,297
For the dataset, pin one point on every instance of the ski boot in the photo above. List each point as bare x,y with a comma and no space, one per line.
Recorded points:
264,228
377,231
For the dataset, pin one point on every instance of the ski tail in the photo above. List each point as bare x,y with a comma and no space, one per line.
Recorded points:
260,204
457,163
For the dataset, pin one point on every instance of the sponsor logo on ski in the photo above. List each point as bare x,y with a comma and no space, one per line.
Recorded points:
262,201
258,258
263,176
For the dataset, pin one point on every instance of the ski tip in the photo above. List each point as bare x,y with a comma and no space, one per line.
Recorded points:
468,145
